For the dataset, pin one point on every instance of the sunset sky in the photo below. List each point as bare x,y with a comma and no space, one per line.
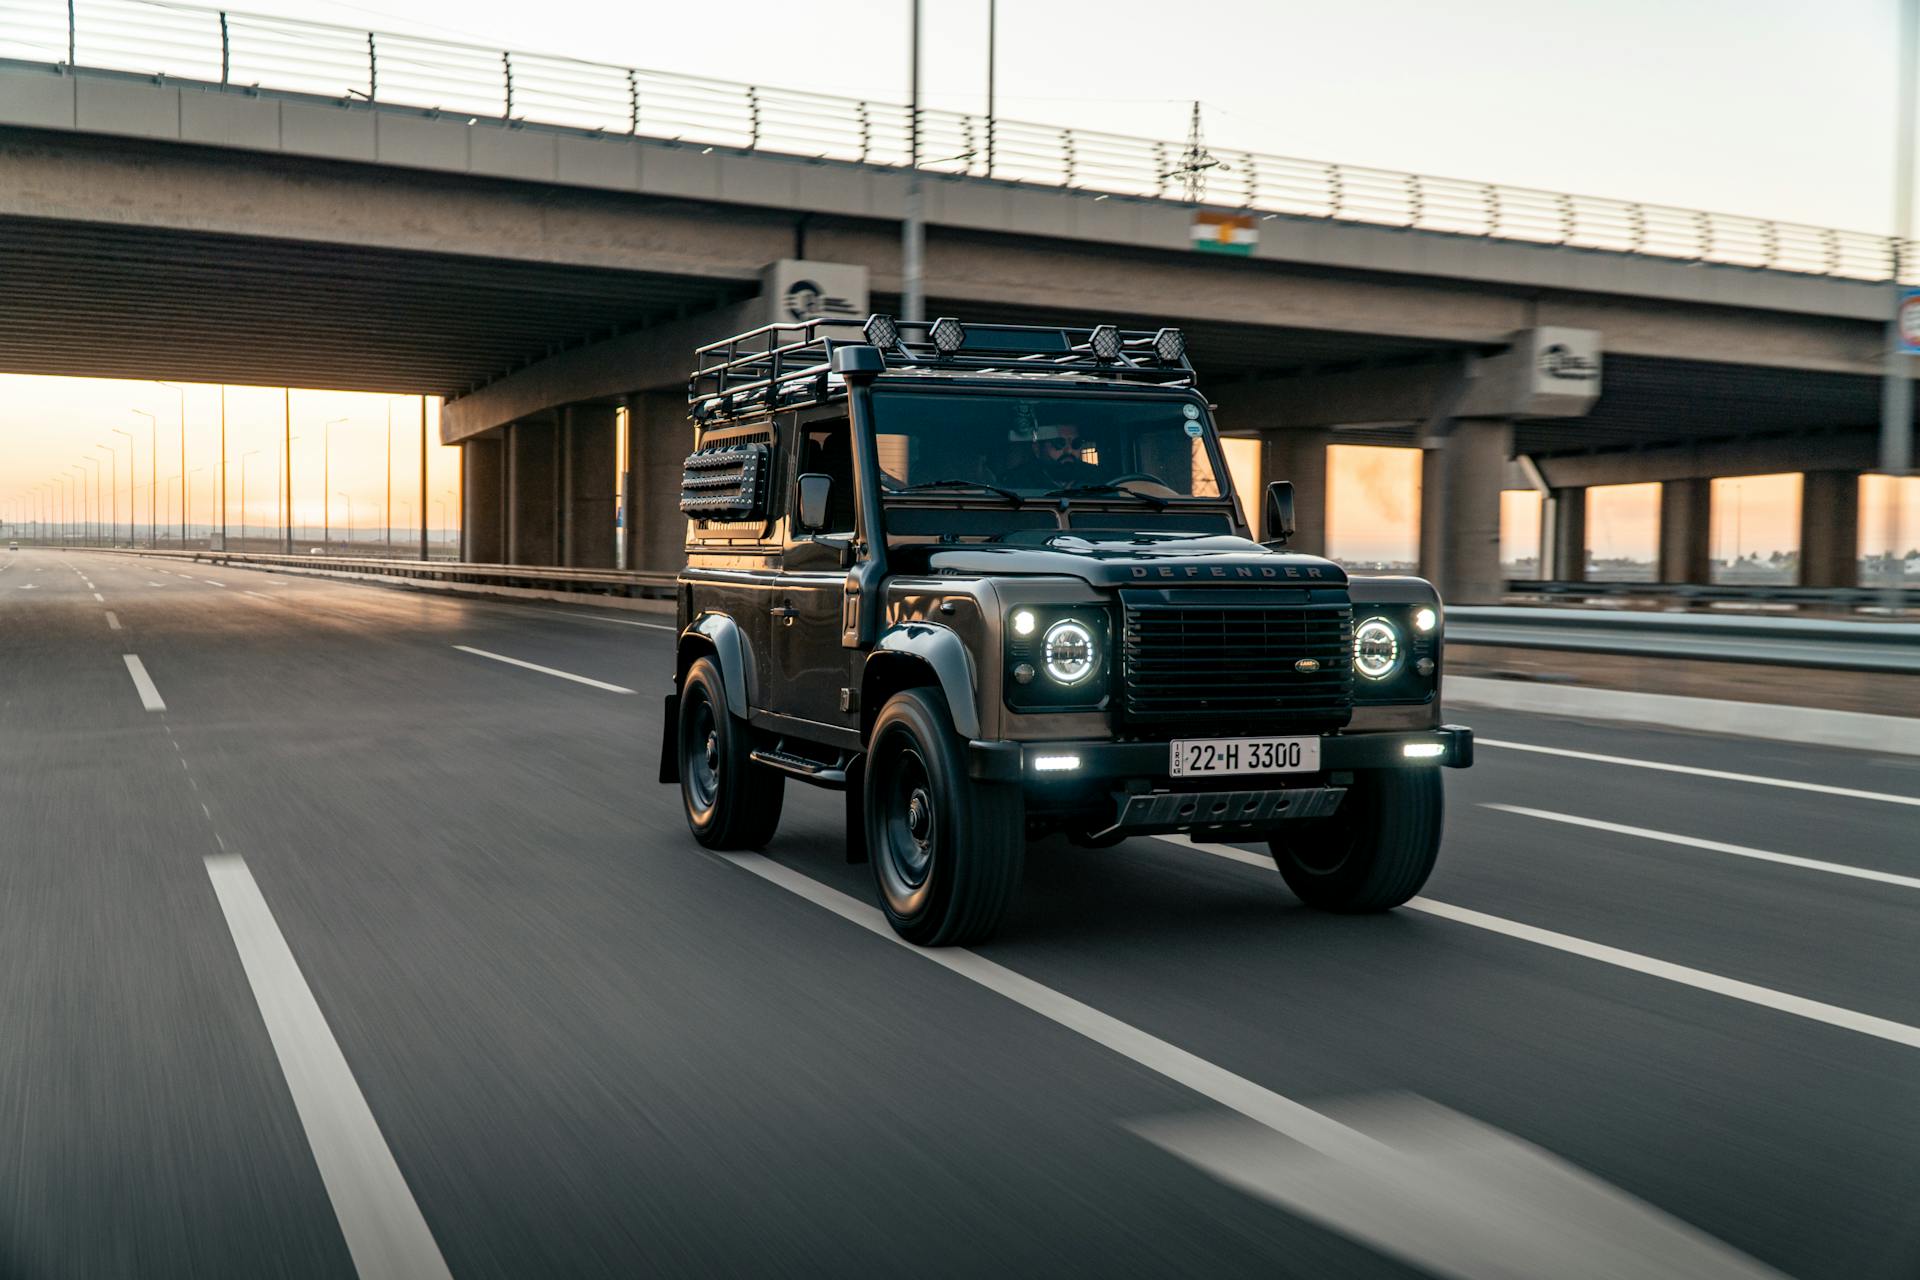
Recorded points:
1675,104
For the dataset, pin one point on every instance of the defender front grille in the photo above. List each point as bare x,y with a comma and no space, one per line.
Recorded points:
1226,659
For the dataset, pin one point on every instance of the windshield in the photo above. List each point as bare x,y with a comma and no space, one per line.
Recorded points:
1034,446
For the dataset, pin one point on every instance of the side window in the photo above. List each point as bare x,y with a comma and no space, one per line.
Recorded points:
826,448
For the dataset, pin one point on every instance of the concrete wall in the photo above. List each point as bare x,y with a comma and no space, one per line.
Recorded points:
533,492
587,490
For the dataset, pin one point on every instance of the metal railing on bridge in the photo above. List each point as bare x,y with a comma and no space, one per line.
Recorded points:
290,55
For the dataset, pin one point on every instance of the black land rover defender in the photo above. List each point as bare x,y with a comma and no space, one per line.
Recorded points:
993,582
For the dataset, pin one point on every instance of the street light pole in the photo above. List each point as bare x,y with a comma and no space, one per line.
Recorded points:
992,24
93,532
223,471
1896,397
286,462
183,460
425,550
243,492
344,494
153,477
326,499
389,542
913,230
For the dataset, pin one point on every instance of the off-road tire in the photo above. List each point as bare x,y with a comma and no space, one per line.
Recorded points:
731,802
1373,854
946,849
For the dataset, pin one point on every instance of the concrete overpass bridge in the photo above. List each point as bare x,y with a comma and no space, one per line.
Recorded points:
544,251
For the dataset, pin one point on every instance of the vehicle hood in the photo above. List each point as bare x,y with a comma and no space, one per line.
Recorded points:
1141,560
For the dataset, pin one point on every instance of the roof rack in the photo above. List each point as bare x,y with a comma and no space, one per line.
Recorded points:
789,366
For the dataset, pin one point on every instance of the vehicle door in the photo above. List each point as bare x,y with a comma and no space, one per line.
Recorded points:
733,566
811,667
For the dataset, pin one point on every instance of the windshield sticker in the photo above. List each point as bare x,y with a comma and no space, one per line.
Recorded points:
1193,429
1192,411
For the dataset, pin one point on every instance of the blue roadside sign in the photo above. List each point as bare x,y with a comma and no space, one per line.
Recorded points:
1909,322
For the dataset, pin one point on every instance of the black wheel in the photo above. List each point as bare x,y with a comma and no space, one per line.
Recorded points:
1373,854
946,849
731,802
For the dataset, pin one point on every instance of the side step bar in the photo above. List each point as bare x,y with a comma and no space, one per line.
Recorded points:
832,776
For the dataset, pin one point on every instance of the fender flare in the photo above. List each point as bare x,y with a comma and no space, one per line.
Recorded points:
730,649
946,655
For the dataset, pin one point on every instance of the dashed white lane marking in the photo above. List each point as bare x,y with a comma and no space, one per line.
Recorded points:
261,594
550,671
113,623
1430,1208
156,584
378,1215
1699,979
97,596
1712,846
149,695
210,582
1792,784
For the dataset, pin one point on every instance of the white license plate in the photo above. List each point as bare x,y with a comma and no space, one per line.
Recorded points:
1194,757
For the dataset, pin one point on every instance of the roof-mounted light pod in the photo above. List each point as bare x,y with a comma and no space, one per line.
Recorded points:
1169,346
1105,343
948,335
881,331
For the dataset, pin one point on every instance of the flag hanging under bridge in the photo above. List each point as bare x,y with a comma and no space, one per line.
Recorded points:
1225,232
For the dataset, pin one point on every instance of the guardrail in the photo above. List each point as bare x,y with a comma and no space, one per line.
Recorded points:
1832,644
1718,593
238,49
606,582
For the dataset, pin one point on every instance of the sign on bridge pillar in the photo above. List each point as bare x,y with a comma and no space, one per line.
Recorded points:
796,290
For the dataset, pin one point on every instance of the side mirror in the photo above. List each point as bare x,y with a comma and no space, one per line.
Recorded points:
1277,518
815,489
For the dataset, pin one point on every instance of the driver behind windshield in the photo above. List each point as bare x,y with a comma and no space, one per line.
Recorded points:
1053,461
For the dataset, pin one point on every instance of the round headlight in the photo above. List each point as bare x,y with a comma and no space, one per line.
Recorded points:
1069,652
1376,649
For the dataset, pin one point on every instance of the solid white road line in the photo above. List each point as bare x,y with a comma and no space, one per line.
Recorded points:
534,666
377,1212
1492,1206
625,622
1766,997
1226,851
1799,1006
113,623
1712,846
149,696
1792,784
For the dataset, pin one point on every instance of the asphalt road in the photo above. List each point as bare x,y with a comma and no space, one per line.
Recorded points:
571,1043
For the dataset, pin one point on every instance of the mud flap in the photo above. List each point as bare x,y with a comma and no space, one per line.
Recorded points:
856,799
670,739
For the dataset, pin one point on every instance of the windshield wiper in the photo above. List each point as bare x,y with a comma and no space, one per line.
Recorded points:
1103,487
957,483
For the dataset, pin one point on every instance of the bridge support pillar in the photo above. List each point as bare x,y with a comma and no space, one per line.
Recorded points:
659,438
533,492
483,498
587,467
1830,529
1565,525
1299,456
1460,477
1686,526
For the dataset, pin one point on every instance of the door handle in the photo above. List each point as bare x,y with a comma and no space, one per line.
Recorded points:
783,611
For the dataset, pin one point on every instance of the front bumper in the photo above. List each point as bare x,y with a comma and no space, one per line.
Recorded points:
1120,788
1119,762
